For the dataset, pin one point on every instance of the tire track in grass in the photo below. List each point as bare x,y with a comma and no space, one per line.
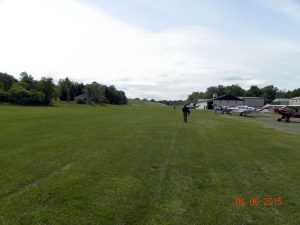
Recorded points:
170,150
161,175
47,177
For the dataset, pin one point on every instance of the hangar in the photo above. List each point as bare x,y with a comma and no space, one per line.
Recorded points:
295,101
229,100
225,100
281,101
256,102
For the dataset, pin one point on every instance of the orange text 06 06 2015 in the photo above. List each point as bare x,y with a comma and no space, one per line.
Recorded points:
256,201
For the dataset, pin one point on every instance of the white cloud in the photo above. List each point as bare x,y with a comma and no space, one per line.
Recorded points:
67,38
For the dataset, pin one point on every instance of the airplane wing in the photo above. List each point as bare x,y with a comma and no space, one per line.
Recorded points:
268,106
294,106
293,109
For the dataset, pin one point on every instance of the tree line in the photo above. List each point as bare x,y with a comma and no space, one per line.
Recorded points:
173,102
28,91
269,93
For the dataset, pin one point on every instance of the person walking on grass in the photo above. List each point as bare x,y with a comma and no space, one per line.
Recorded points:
186,112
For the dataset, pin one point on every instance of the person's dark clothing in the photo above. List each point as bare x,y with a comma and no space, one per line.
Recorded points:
186,112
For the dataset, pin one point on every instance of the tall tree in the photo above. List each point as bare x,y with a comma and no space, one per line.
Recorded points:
123,98
295,93
269,93
210,91
96,93
111,94
6,81
66,88
114,96
78,88
195,96
254,91
234,90
27,81
46,86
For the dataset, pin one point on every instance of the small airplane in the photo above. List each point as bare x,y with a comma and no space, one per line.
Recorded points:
222,109
243,110
287,112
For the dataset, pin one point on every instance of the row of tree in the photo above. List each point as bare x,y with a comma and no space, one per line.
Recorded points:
28,91
90,93
173,102
269,93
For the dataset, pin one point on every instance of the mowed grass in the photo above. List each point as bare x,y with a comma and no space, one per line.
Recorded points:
140,164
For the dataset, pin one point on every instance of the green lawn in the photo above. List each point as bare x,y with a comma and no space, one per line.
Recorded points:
140,164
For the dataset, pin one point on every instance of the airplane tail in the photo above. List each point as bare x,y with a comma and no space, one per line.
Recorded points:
265,109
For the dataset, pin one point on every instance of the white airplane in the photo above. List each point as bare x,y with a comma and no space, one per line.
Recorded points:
244,110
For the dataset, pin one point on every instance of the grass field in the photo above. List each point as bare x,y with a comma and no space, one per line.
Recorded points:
140,164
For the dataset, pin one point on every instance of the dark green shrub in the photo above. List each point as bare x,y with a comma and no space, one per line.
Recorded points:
3,96
21,96
38,98
81,101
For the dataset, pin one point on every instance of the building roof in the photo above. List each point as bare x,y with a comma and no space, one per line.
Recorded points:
200,100
84,95
281,100
228,97
223,97
296,98
246,97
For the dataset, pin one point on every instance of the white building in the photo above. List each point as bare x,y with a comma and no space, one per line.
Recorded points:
295,101
202,104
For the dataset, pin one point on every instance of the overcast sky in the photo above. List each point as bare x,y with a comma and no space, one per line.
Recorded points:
161,49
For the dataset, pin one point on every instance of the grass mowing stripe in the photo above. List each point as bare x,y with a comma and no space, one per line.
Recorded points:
45,178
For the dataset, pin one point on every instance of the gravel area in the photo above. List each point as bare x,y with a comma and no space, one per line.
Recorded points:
270,121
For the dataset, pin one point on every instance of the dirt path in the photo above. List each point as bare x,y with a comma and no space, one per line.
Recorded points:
270,121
